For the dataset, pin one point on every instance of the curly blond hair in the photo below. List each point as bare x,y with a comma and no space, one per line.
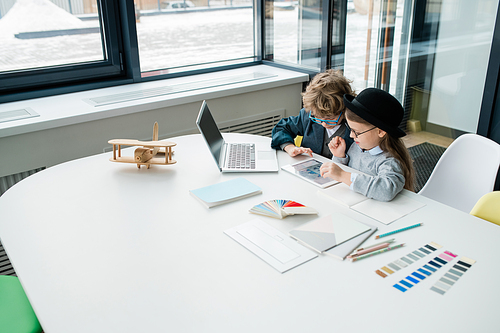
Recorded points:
325,93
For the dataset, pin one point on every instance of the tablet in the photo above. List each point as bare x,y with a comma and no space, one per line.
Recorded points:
308,170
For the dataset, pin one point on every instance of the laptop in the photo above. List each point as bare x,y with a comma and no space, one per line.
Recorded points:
231,156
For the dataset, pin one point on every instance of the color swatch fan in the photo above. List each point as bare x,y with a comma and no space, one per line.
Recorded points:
279,209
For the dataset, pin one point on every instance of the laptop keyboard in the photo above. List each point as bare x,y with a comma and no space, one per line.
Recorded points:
241,156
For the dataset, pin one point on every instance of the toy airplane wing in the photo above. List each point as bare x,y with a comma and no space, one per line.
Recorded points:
145,154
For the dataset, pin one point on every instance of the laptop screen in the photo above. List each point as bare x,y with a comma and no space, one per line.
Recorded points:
209,130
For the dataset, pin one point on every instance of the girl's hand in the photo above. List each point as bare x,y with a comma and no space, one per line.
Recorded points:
333,171
337,147
293,150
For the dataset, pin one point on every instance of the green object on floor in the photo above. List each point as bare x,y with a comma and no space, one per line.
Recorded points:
16,313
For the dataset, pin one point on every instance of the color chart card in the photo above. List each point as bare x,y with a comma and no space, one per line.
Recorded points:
453,275
408,259
425,271
429,268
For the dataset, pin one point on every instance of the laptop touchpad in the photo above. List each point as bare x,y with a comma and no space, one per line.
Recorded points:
266,155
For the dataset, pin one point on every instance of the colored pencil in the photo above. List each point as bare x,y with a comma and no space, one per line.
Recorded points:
373,245
399,230
371,249
378,252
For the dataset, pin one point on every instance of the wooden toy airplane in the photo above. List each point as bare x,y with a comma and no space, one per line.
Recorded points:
145,155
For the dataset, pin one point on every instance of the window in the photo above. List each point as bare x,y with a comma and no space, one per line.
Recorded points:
56,46
32,33
93,43
417,50
45,44
186,35
298,33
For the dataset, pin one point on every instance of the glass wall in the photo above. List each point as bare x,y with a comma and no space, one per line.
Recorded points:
299,34
291,29
377,43
431,54
462,51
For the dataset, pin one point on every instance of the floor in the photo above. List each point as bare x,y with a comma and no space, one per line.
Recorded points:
415,138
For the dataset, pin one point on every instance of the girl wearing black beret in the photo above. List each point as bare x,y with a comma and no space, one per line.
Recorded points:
378,152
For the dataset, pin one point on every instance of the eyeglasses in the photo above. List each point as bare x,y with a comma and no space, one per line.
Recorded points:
326,121
356,134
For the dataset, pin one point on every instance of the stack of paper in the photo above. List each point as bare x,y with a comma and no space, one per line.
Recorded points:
221,193
385,212
269,244
341,251
279,209
342,194
328,232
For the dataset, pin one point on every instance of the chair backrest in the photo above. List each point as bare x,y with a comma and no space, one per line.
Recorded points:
16,313
465,172
298,140
488,207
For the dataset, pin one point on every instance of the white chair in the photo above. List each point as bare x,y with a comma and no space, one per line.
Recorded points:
465,172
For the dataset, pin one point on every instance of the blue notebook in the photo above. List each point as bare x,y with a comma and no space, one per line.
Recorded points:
224,192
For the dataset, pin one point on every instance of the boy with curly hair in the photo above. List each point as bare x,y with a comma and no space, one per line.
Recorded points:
321,119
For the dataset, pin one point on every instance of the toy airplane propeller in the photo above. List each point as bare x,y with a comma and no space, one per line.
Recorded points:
145,155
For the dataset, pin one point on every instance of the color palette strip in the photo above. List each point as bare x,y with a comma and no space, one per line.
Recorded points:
452,276
409,259
425,271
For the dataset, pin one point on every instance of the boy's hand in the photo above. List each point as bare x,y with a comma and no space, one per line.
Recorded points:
333,171
293,150
337,147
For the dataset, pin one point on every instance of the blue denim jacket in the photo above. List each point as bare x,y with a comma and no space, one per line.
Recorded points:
288,128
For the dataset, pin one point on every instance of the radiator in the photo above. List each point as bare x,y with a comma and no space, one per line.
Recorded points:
5,265
8,181
261,124
5,183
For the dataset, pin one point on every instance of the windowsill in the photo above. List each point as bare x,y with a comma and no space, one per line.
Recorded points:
75,108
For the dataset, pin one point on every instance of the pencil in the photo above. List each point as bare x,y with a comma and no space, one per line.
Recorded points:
370,246
378,252
399,230
371,249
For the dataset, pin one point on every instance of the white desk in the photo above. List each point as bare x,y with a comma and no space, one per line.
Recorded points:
106,247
